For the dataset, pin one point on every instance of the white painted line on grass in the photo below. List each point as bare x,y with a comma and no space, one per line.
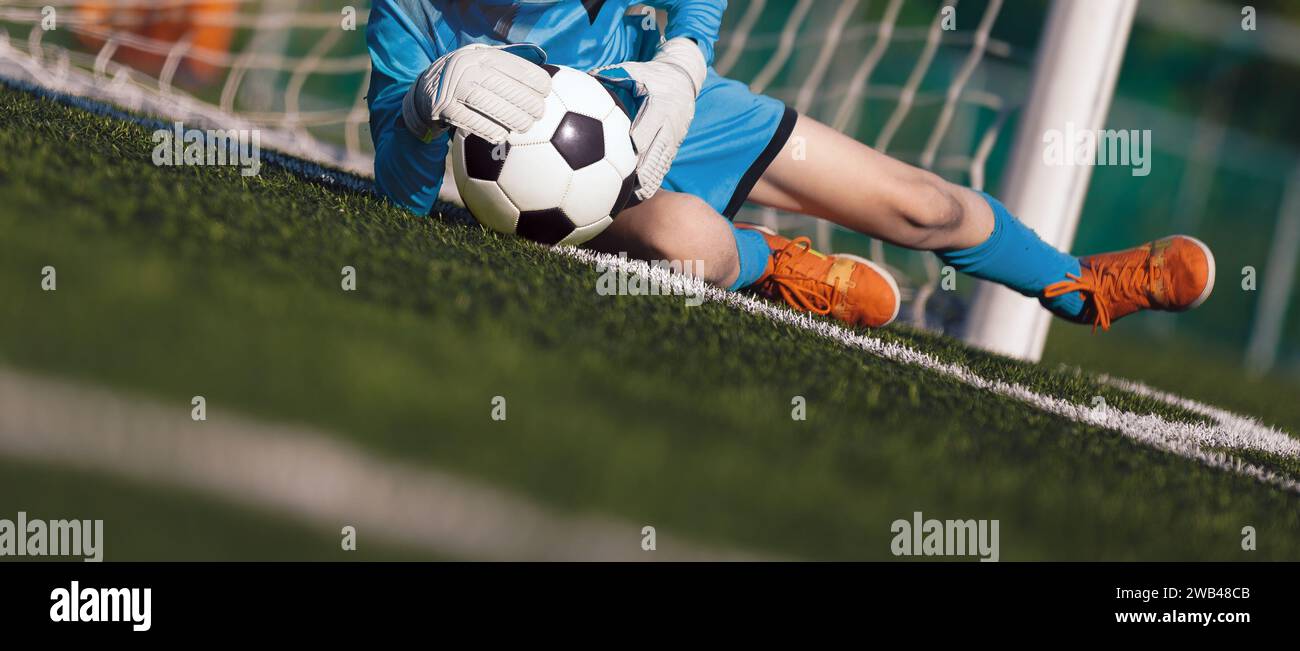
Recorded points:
1191,440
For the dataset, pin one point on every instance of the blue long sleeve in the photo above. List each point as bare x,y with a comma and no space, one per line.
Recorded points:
407,170
700,20
405,36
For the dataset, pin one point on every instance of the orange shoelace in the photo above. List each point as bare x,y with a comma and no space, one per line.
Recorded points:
1123,281
800,290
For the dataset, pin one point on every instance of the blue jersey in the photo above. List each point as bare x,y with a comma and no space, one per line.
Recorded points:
406,36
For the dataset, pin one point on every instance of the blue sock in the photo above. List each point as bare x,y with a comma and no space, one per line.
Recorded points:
754,254
1016,257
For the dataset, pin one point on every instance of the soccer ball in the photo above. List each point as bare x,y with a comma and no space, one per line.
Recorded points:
561,182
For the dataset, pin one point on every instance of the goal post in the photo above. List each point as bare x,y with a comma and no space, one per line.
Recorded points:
1073,82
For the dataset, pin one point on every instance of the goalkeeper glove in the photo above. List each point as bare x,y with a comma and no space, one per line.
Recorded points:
669,83
489,91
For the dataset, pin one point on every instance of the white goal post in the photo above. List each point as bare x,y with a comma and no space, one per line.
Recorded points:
1074,77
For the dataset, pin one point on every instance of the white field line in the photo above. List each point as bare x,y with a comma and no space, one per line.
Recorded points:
1227,431
1234,431
309,476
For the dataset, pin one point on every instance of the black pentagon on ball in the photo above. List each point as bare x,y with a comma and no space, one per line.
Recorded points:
484,160
545,226
580,140
550,69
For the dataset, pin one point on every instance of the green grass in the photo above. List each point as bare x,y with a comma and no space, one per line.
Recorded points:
1187,368
174,282
1190,369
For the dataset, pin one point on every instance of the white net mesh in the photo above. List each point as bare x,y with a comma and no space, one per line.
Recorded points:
919,91
290,68
888,72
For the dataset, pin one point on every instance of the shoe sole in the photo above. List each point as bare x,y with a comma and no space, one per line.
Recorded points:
889,278
1209,282
755,227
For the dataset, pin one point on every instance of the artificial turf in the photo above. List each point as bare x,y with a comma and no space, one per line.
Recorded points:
177,281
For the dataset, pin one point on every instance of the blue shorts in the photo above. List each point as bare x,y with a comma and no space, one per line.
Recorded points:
735,135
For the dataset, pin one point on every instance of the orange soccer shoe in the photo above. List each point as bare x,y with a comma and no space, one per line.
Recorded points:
849,288
1171,274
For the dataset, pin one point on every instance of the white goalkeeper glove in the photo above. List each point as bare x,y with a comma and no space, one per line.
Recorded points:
489,91
670,83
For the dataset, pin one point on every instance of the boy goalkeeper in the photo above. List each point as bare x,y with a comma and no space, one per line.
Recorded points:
706,144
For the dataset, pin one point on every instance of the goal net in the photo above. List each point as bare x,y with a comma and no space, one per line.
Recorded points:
937,83
925,82
297,70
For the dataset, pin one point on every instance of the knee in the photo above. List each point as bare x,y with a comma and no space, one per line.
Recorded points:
683,225
931,208
686,228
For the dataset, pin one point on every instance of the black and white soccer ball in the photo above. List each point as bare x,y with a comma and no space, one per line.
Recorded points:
564,180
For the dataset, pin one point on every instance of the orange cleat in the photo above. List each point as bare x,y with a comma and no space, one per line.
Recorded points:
846,287
1172,274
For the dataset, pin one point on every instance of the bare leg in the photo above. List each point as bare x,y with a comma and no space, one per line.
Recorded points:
675,226
844,181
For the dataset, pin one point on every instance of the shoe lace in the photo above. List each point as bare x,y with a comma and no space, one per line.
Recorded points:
1109,281
798,289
